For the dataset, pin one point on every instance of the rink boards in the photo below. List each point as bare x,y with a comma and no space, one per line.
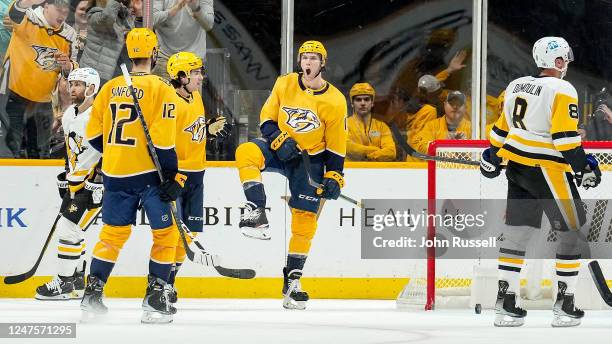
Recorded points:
29,203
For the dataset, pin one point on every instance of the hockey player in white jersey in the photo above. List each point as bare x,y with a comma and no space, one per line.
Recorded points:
537,134
80,188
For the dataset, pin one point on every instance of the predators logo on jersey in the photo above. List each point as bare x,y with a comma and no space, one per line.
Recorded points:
44,58
75,147
197,129
302,120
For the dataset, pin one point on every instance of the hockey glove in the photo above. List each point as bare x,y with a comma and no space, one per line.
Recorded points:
218,128
489,167
590,177
332,183
62,184
286,148
95,191
172,186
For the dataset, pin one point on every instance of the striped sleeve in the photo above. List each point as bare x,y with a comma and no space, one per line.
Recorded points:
499,131
564,120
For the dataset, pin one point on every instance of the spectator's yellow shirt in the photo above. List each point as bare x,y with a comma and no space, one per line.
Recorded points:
370,140
315,119
438,130
190,133
29,62
115,120
416,122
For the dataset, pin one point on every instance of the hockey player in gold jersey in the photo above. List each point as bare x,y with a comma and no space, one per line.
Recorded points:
192,130
537,134
303,112
130,177
41,47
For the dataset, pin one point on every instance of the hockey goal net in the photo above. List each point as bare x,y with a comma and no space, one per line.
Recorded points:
459,283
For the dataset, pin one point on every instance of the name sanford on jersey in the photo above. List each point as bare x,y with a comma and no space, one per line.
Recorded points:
124,91
527,88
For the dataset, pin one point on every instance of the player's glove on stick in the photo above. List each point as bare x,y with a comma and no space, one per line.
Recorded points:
62,184
95,191
171,188
489,166
332,183
590,177
286,148
218,128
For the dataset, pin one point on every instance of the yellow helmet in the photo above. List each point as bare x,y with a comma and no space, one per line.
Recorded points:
362,88
141,43
183,61
313,47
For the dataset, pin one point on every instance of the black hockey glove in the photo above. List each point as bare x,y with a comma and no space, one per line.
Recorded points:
489,166
172,186
286,148
332,183
94,191
218,128
590,177
62,184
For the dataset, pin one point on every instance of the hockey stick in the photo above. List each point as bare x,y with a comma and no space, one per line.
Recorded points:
306,160
600,282
414,153
201,257
24,276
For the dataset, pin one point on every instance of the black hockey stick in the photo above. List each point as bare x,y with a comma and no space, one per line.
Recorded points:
306,160
414,153
600,282
200,257
24,276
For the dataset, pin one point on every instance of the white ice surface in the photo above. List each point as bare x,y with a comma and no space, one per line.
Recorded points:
325,321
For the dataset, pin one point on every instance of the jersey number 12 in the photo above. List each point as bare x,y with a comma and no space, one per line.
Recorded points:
115,136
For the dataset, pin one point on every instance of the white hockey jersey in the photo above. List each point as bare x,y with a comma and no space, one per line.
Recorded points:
82,158
539,121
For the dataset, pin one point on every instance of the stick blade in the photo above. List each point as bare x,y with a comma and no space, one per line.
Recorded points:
18,278
235,273
600,282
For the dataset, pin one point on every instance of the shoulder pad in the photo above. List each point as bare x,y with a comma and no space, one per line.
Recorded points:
164,80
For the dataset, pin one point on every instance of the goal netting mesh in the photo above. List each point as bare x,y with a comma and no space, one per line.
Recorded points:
459,283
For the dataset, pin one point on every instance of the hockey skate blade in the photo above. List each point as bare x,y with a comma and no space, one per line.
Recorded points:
257,233
502,320
289,303
88,317
150,317
60,297
564,321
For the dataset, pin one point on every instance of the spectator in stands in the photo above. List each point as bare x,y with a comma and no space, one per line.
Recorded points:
452,126
107,25
181,25
41,47
368,139
7,26
599,126
80,24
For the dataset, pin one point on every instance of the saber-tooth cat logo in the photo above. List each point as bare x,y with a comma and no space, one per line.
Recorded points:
302,120
44,57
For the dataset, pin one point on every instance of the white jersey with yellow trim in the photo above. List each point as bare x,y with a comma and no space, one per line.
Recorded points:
539,121
82,158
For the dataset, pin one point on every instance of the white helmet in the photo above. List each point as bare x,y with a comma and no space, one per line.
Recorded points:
547,49
87,75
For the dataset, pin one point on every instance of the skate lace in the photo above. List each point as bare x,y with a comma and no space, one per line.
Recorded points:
54,284
251,212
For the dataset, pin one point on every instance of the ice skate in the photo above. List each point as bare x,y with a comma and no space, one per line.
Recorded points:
254,223
156,305
293,295
507,314
59,288
173,295
92,307
565,314
79,283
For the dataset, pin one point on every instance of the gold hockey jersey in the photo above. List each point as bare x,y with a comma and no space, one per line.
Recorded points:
191,133
539,121
315,119
114,125
29,63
